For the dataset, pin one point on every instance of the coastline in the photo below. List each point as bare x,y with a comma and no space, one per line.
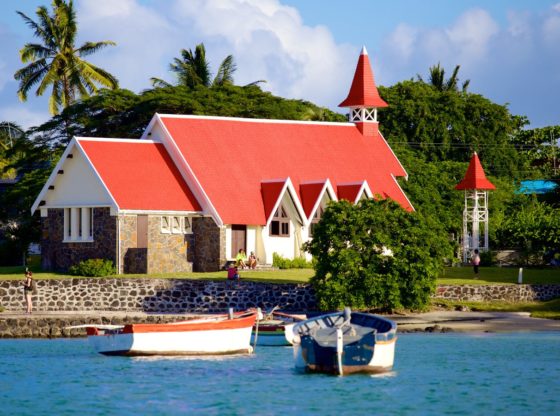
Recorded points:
55,324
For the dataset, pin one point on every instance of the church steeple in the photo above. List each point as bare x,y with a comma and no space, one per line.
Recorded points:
363,98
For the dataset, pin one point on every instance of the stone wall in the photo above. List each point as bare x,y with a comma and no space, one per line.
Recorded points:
201,296
156,295
57,255
509,293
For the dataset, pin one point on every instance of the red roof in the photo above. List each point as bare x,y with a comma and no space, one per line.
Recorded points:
270,194
309,193
349,192
475,177
140,175
231,158
363,92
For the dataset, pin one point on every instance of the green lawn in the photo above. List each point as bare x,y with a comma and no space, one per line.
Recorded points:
269,276
493,275
450,276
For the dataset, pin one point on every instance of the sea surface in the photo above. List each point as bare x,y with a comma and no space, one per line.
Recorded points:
434,374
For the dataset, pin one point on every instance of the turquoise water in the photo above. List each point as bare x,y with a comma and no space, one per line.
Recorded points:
434,374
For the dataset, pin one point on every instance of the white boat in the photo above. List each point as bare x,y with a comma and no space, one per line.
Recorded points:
275,329
217,335
344,343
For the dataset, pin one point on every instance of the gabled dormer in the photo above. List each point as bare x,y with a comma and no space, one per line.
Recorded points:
363,99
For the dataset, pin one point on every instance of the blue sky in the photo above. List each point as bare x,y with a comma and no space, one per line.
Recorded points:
308,48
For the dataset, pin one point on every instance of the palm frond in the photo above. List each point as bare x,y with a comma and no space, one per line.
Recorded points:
225,71
33,51
159,83
91,47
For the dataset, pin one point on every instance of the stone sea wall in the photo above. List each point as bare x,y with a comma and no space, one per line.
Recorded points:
156,295
509,293
204,296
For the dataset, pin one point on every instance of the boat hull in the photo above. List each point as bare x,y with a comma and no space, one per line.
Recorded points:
381,361
346,343
199,338
272,336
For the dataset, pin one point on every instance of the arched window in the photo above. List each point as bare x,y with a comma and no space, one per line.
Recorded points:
280,224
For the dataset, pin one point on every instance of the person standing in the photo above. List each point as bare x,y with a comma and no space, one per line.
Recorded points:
475,262
28,286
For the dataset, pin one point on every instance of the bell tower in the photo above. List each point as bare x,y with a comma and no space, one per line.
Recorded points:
475,213
363,99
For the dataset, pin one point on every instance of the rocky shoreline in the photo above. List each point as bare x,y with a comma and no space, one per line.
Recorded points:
55,324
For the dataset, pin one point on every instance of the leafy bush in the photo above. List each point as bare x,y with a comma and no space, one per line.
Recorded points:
93,268
376,255
283,263
487,258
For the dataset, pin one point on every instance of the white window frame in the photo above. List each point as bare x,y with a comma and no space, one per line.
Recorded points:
165,224
176,224
78,225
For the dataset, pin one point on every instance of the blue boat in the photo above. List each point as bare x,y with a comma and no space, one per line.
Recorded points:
345,343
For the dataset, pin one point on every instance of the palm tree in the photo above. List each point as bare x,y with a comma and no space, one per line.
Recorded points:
8,133
194,69
57,63
437,79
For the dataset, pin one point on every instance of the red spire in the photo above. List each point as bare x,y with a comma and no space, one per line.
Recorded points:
363,92
475,177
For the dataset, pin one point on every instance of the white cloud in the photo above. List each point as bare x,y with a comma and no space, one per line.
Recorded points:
267,39
501,62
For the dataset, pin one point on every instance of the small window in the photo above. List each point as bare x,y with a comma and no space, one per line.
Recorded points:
80,228
165,226
280,224
78,224
176,225
187,225
90,223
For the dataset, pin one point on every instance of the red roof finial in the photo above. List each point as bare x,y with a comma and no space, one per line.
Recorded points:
475,177
363,92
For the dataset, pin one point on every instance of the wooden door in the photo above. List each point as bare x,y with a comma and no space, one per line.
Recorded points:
238,239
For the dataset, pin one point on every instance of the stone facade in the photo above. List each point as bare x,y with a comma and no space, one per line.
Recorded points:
209,245
57,255
165,252
203,250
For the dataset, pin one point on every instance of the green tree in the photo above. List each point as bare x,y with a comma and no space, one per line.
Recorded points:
531,226
540,147
438,81
32,159
56,62
122,113
376,255
450,125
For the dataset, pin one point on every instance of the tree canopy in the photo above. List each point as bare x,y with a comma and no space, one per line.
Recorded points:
122,113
